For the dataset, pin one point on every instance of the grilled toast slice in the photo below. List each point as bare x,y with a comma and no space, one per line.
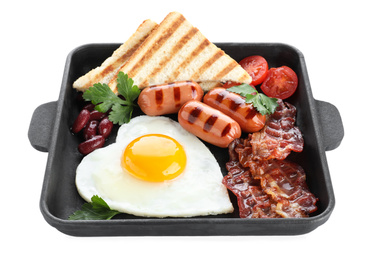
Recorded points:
177,51
111,65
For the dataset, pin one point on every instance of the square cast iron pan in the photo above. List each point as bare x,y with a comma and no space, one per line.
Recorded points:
49,131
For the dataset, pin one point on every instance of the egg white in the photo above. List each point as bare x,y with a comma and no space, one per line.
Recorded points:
197,191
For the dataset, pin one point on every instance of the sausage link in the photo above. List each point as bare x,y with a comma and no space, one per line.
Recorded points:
168,98
209,124
233,105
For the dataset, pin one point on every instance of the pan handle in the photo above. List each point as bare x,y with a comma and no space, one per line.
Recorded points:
331,125
41,125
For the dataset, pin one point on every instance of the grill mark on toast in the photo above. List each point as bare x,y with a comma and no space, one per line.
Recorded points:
226,70
175,49
106,71
208,63
158,44
191,56
111,67
133,49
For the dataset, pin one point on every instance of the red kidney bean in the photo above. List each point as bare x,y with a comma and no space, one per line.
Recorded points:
81,120
90,129
96,115
105,127
89,107
92,144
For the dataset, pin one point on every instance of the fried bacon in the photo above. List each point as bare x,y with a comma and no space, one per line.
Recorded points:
265,184
285,183
252,201
270,189
279,136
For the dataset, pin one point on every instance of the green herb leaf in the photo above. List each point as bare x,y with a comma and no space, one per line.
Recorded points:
105,99
120,114
243,89
97,209
262,103
270,103
127,88
101,94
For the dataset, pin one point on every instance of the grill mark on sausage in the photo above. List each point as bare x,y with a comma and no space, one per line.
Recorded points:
208,63
226,130
191,56
194,114
159,43
220,97
232,105
236,103
210,122
194,92
177,96
159,96
250,113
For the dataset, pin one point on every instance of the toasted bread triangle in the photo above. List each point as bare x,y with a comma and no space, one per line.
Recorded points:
109,68
177,51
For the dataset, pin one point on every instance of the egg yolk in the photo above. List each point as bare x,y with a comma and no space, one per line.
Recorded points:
154,157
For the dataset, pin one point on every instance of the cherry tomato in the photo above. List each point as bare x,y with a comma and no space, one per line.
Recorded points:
280,82
257,68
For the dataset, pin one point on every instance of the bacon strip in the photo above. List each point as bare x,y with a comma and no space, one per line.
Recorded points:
285,183
270,189
279,136
252,201
267,188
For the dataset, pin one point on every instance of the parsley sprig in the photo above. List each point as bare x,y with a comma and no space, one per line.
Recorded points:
97,209
105,99
261,102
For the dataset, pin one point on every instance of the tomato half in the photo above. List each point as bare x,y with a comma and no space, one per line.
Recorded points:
280,82
257,67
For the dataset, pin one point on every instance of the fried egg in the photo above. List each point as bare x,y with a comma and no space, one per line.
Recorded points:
155,169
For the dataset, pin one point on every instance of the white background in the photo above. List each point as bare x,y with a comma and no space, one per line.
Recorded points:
339,43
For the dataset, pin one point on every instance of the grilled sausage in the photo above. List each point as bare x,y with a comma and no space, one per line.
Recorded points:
209,124
168,98
233,105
